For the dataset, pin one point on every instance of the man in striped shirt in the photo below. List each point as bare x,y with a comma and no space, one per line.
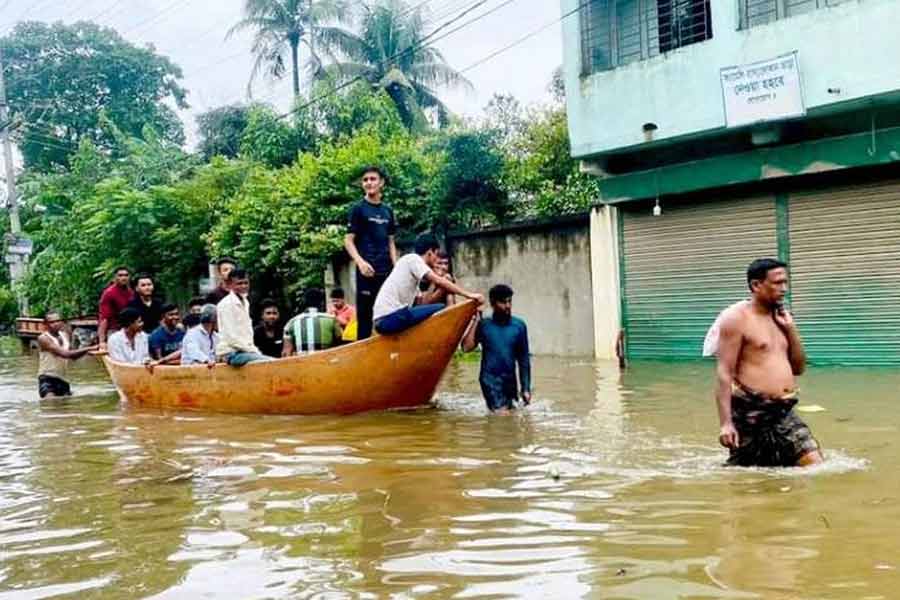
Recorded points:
313,329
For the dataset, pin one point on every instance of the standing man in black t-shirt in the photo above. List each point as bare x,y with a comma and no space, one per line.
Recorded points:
370,243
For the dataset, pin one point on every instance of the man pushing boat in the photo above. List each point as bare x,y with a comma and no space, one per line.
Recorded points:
759,354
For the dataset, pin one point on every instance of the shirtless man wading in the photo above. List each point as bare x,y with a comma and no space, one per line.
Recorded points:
759,355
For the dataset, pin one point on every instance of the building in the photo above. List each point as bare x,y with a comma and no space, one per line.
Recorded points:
727,130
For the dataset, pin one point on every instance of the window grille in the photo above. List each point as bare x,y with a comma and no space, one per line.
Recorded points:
619,32
760,12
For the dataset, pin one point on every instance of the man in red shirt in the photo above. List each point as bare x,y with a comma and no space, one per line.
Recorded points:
113,300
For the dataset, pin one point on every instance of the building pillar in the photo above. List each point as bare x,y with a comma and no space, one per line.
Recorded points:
605,280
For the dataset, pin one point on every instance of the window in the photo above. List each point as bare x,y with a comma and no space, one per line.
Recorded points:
618,32
760,12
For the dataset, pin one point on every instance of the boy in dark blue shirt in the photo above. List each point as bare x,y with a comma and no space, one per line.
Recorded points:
504,345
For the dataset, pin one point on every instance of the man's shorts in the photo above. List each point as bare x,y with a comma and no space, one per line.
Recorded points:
499,393
47,384
771,433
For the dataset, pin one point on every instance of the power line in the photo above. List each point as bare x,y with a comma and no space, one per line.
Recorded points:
413,48
524,38
153,18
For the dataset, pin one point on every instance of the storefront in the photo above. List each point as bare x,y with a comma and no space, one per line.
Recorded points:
679,269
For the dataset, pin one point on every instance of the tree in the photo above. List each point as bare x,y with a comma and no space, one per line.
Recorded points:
220,130
270,140
391,52
466,190
281,26
61,78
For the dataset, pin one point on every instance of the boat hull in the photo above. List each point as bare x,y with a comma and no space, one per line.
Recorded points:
380,373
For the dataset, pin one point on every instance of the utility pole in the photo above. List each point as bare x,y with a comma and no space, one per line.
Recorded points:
18,247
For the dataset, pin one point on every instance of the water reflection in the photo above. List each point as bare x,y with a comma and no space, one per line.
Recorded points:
610,485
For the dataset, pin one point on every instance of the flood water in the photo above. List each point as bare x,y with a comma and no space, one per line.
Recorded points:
608,487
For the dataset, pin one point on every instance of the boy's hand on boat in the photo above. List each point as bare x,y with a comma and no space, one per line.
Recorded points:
526,398
477,298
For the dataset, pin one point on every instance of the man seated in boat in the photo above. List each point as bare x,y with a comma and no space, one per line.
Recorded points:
312,330
54,357
130,345
224,266
236,346
432,294
394,311
199,345
165,341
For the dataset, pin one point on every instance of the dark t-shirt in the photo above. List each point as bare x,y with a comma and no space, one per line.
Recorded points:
372,225
216,296
164,342
270,346
503,346
151,315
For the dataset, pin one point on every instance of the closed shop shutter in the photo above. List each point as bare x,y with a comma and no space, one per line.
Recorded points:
683,267
845,271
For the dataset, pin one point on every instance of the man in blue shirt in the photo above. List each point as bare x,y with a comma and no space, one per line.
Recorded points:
165,341
370,243
504,345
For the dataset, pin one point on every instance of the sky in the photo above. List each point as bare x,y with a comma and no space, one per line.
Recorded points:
216,70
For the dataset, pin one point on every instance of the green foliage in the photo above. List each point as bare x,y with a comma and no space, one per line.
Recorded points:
286,224
390,52
9,307
220,131
281,26
465,188
62,78
540,173
268,139
105,211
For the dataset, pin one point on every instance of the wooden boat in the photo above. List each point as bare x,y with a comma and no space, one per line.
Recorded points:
380,373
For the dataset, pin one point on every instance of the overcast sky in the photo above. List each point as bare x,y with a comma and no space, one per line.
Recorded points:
192,32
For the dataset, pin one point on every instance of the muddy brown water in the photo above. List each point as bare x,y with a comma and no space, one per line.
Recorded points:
609,486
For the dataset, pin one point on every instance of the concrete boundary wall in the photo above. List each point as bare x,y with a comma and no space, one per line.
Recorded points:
548,265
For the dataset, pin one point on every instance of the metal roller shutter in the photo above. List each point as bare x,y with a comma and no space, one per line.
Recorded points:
845,270
683,267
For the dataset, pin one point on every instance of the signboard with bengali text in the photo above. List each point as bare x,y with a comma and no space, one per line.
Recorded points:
768,90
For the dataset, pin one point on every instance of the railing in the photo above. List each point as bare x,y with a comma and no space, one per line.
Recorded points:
618,32
760,12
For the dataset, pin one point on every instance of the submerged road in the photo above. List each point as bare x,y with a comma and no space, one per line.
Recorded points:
608,487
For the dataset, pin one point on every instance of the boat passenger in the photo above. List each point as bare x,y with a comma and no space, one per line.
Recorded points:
192,318
312,330
54,356
394,311
341,310
236,345
199,346
760,354
165,341
224,266
504,345
129,344
148,306
113,300
432,294
269,334
370,243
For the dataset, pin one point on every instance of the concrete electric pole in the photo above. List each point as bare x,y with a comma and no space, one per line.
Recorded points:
18,247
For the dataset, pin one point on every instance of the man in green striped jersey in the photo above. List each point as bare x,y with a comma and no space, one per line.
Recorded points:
313,329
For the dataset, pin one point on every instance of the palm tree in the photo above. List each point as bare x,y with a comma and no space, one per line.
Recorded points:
391,52
281,26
